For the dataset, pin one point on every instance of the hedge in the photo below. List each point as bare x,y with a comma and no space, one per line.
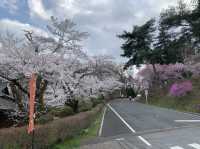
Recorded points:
47,134
62,112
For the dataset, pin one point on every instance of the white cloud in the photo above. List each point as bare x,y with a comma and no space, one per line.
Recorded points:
37,8
67,8
18,28
102,19
63,8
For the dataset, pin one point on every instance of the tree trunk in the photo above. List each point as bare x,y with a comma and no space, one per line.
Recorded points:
17,94
42,89
16,83
154,69
156,75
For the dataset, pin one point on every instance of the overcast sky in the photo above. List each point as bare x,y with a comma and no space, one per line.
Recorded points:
102,19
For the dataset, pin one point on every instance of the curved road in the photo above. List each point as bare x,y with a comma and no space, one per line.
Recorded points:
131,125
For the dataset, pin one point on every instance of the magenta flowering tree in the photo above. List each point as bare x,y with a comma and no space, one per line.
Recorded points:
180,89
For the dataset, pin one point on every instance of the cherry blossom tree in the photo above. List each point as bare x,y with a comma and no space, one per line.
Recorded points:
63,70
51,57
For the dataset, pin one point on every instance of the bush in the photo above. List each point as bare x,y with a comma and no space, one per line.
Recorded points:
85,105
73,103
187,74
45,118
48,134
180,89
62,112
96,101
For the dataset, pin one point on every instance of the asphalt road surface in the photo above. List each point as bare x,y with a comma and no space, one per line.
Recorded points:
131,125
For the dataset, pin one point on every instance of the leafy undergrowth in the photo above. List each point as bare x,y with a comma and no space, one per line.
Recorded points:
188,103
86,134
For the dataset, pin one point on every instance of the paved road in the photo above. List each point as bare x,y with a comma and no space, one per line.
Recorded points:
131,125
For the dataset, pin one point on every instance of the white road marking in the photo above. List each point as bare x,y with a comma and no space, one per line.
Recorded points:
102,121
187,121
144,140
195,145
120,139
176,147
132,130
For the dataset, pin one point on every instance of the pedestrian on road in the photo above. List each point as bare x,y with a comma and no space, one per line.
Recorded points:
130,98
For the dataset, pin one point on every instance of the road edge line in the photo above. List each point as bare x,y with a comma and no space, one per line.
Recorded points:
117,114
130,128
102,121
144,140
187,121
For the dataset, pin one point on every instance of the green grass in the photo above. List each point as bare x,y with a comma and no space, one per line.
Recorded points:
89,133
186,103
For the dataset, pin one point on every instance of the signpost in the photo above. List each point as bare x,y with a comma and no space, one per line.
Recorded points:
145,84
146,95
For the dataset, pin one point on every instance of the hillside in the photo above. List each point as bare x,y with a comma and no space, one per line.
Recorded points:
189,103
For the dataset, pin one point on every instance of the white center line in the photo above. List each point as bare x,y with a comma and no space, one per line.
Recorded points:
102,121
188,121
131,129
176,147
195,145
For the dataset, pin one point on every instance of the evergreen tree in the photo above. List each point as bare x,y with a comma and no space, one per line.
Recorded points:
178,38
141,46
189,22
194,20
138,44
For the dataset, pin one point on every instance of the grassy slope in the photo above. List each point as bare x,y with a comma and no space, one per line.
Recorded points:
188,103
74,143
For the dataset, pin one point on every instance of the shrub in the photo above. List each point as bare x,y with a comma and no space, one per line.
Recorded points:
96,101
48,134
180,89
73,103
45,118
187,74
62,112
85,105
